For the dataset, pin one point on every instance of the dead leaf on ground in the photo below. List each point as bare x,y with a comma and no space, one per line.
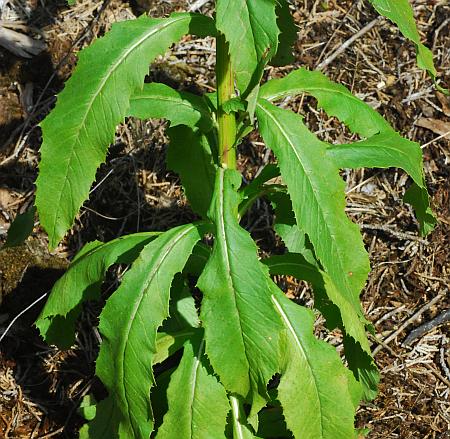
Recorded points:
437,126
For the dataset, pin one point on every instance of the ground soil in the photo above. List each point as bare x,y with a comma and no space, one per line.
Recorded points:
41,386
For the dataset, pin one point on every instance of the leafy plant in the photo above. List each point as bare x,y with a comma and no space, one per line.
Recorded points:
250,365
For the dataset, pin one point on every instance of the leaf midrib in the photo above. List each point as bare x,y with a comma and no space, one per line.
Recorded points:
227,258
312,189
300,347
124,346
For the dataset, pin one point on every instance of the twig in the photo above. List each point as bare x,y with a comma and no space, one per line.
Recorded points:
442,359
399,235
348,43
413,318
21,314
427,327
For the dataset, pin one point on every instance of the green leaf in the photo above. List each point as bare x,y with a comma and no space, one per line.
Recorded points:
286,227
190,156
385,150
314,385
198,403
363,368
381,151
334,98
233,105
287,37
129,342
384,146
296,265
401,13
317,194
418,197
78,131
21,228
183,313
157,100
241,325
81,282
250,27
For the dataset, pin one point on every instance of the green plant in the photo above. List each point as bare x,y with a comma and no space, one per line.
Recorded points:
251,366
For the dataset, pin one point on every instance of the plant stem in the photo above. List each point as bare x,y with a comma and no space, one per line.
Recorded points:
225,91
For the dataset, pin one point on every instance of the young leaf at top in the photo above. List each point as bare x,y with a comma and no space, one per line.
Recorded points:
81,282
318,202
401,13
128,324
198,403
314,382
250,27
241,325
79,130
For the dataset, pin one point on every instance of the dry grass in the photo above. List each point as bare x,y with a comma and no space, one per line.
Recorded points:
41,386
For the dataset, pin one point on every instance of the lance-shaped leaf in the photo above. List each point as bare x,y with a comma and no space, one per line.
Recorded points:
198,403
384,146
385,150
334,98
250,27
326,296
128,324
79,130
82,281
337,312
241,324
157,100
401,13
190,156
314,381
317,194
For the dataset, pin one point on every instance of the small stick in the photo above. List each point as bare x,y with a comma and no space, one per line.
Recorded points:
414,317
14,320
399,235
442,359
348,43
442,318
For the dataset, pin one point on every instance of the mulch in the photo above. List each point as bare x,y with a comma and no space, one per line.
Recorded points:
41,386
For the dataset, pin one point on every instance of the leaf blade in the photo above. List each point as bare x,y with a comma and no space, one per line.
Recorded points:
314,381
158,100
198,403
401,13
243,351
250,27
302,161
82,282
129,345
79,130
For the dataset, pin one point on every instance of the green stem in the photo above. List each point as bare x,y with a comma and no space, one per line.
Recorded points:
225,91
